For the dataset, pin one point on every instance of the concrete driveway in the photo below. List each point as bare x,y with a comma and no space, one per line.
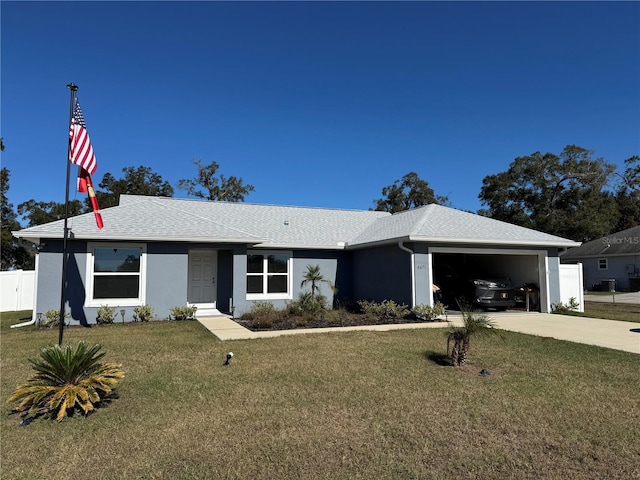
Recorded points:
592,331
618,297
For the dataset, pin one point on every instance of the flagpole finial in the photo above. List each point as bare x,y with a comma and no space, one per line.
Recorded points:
73,87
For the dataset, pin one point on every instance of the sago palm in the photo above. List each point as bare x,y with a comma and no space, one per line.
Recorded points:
66,378
474,324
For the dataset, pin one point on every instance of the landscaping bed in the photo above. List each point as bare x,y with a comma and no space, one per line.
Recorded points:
330,318
312,312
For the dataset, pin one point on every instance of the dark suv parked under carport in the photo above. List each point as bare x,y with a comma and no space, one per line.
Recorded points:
493,293
478,291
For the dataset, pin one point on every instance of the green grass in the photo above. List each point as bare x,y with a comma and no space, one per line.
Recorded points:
626,312
358,405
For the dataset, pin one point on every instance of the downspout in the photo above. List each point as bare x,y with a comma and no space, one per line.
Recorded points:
24,324
35,300
413,272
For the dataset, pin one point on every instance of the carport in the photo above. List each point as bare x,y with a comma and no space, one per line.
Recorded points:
416,242
521,267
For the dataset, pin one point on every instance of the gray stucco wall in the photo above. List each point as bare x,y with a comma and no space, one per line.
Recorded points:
326,260
373,274
240,303
381,274
167,277
166,280
423,279
328,269
49,278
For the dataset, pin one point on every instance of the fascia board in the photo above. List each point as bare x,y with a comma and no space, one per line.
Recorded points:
377,243
35,239
120,238
462,241
520,243
298,247
600,255
255,242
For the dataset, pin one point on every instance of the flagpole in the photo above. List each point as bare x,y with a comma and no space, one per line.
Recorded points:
65,255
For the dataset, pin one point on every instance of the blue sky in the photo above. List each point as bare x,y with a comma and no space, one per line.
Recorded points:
317,104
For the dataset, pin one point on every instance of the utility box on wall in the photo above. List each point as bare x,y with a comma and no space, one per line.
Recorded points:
609,285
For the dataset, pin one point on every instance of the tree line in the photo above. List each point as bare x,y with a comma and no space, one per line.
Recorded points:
571,194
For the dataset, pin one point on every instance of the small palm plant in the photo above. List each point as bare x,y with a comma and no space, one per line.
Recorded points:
313,301
474,324
314,278
67,378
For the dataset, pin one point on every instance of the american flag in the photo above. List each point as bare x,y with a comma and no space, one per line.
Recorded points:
81,151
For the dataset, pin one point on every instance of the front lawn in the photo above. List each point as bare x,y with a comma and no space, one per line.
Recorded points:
332,405
626,312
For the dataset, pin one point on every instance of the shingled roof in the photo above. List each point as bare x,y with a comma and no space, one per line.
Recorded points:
142,218
625,242
436,223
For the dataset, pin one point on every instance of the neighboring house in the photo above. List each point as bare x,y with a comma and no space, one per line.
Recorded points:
168,252
614,257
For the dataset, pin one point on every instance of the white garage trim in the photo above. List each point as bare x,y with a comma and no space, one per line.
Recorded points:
543,265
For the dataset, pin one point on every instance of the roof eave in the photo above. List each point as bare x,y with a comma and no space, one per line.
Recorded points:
293,246
599,255
35,239
145,238
520,243
461,241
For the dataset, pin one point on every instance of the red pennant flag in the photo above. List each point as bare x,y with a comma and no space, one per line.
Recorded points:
85,185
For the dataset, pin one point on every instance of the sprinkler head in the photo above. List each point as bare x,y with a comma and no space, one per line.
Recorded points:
229,357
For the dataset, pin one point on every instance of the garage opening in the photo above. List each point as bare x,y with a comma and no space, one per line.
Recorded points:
488,281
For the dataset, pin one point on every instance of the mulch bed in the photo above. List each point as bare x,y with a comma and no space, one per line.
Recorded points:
331,319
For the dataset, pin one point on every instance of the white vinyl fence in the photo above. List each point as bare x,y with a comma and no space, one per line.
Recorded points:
572,284
17,290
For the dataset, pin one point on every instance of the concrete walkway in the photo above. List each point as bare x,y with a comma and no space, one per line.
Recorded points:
604,333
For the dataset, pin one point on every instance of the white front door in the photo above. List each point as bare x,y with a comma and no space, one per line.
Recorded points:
203,270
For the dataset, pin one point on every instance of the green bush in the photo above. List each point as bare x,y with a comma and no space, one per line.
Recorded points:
310,303
293,308
106,314
144,313
561,308
387,309
52,318
263,309
428,312
183,312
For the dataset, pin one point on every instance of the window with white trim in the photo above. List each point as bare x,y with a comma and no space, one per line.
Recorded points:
116,274
603,264
268,275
